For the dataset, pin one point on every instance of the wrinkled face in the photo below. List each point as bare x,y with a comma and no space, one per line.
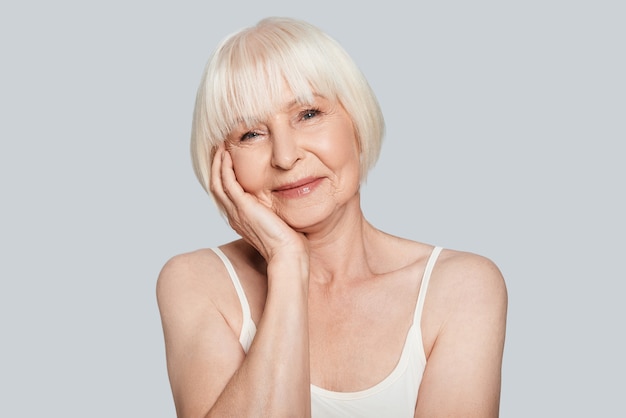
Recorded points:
302,161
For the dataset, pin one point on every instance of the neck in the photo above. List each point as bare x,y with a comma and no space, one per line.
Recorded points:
339,250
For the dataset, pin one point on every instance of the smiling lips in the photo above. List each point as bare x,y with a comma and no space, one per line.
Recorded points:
298,188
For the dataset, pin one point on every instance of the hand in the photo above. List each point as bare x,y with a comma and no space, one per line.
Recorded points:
254,221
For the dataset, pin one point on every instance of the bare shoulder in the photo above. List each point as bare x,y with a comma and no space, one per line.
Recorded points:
470,277
194,286
189,276
466,292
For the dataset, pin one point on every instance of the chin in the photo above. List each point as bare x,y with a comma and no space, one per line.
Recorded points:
307,219
314,219
309,216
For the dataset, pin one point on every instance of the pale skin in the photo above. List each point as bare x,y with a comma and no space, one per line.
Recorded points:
332,297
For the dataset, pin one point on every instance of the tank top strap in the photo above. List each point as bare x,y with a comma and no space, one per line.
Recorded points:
421,297
248,329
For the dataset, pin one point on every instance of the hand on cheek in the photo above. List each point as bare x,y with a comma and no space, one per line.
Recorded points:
251,219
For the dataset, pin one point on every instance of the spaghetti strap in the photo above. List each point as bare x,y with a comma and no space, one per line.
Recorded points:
235,279
248,328
421,297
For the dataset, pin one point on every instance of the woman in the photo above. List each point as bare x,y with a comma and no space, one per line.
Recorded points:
314,311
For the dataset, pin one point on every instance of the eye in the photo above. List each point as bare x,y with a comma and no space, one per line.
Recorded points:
248,136
309,114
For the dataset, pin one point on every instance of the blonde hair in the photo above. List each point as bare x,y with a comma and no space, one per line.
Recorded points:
245,77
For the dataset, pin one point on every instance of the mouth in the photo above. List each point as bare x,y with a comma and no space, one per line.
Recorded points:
298,188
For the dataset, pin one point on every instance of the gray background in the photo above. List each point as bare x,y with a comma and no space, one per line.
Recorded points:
505,123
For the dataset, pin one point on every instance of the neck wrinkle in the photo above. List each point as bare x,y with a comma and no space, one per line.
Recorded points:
342,256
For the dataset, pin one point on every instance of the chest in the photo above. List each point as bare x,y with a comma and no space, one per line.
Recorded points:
356,338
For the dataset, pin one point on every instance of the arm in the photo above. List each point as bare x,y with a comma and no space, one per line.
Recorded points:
209,373
466,307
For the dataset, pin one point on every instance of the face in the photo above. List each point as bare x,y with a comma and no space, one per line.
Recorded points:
302,162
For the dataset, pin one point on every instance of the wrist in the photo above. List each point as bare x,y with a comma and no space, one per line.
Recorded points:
293,266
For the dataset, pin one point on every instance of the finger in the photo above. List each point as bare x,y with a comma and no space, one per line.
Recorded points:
231,186
216,181
216,185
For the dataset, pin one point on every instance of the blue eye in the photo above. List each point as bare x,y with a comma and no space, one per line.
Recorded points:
310,113
249,135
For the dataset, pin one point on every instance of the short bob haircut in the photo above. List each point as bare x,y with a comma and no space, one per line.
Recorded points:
245,77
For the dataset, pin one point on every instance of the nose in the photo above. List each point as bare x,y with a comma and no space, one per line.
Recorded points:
285,149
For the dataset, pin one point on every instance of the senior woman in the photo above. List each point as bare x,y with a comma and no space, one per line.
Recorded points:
314,311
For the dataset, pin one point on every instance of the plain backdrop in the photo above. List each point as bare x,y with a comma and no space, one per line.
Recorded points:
505,132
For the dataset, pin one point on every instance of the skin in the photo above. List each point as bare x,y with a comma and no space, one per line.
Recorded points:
329,293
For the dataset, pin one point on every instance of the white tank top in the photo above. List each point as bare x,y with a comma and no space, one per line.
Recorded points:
395,396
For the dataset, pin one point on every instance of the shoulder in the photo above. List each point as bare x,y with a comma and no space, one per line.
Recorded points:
200,269
187,282
469,276
188,269
194,283
467,292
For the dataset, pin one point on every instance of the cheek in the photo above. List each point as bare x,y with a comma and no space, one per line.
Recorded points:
348,151
342,149
247,167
